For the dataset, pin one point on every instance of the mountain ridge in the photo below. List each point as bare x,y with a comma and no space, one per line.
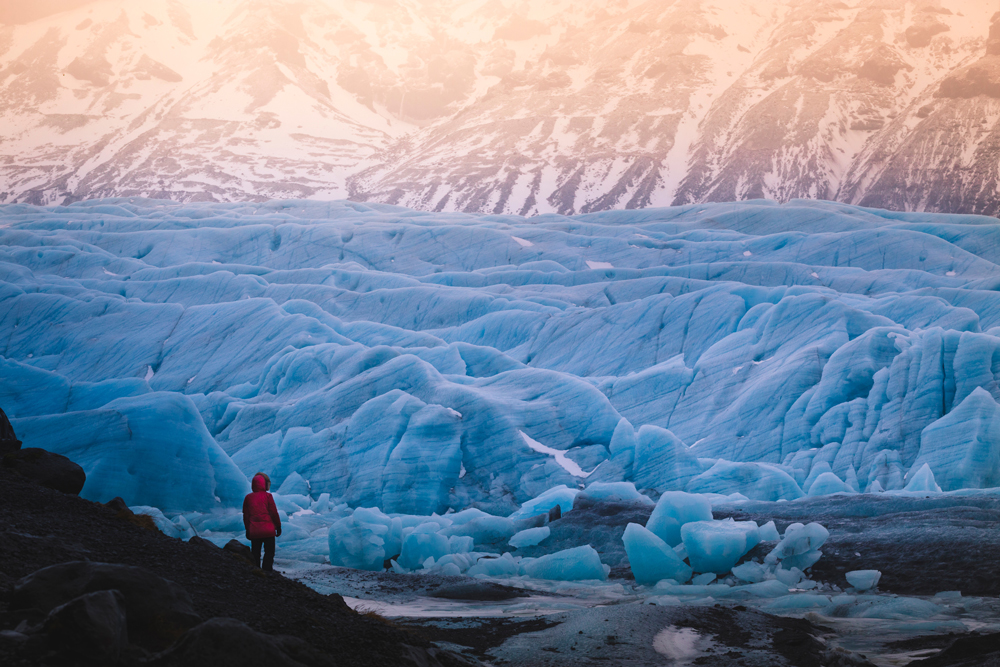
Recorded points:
506,107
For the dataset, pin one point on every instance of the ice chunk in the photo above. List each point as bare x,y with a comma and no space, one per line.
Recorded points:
651,558
619,491
322,504
789,577
529,537
828,483
291,504
558,495
769,532
578,563
355,543
460,544
799,546
673,510
295,484
750,571
716,546
757,481
923,481
505,566
423,543
863,580
703,579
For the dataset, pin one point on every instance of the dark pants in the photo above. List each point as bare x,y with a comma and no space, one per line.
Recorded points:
268,544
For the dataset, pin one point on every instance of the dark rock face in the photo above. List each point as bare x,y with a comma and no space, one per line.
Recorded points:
8,441
993,41
92,625
980,79
52,470
226,641
920,36
159,611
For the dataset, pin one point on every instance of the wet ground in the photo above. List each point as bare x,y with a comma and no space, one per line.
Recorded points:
940,550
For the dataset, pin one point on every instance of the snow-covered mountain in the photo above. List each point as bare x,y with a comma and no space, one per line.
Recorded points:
505,105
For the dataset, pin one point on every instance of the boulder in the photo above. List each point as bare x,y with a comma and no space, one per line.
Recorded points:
92,627
118,505
158,611
226,641
52,470
8,441
481,591
237,548
201,542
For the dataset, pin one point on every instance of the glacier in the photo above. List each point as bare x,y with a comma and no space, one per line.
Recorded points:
406,361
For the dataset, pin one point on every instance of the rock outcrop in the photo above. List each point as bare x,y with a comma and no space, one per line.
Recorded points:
158,611
48,469
8,440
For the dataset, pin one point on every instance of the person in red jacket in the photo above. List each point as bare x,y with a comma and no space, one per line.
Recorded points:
260,517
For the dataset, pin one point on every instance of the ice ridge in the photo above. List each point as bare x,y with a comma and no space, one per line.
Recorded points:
393,358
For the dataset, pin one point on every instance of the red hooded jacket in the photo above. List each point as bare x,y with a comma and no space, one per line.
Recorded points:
260,516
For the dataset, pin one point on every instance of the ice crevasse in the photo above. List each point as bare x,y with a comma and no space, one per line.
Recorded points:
418,362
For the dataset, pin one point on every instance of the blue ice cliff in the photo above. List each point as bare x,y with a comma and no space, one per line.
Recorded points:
416,362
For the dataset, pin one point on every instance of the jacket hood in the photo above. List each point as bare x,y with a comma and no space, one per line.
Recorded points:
260,482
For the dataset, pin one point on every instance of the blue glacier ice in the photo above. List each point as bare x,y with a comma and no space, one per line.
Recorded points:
529,537
673,510
716,546
799,546
576,564
863,580
652,559
426,363
424,542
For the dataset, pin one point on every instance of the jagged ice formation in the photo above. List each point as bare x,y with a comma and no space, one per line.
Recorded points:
419,361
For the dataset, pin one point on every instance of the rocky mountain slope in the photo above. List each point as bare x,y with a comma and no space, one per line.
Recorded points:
504,105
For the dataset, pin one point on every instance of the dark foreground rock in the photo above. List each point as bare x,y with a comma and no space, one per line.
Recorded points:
226,641
93,625
239,549
213,597
159,611
54,471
